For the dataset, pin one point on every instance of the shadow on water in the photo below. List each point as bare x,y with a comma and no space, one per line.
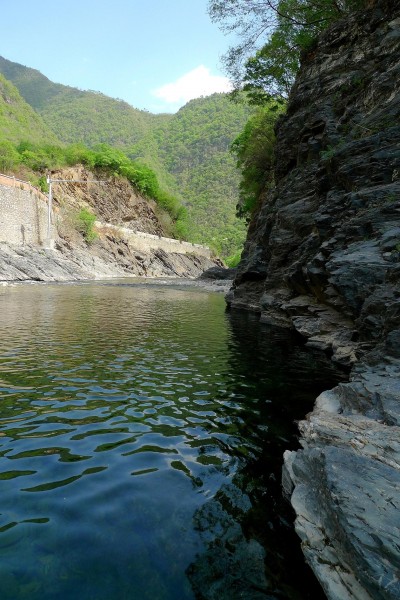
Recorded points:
252,549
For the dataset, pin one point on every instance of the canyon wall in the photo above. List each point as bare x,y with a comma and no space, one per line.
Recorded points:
323,257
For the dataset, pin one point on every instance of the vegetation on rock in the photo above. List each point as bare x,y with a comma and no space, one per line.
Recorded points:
265,71
273,34
254,149
85,224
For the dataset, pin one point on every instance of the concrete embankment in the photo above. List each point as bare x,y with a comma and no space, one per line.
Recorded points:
143,242
23,213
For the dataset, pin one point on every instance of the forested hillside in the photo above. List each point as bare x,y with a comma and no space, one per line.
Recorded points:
191,154
18,120
76,115
188,151
29,150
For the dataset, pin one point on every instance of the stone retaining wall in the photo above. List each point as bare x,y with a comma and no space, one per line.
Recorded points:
23,213
143,242
23,220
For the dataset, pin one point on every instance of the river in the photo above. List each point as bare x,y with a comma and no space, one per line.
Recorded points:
141,442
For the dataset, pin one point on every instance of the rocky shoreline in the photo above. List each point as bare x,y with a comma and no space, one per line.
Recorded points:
106,258
323,257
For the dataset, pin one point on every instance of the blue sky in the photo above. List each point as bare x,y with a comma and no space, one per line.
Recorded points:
155,54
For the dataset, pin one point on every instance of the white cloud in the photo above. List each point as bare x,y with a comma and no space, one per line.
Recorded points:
198,82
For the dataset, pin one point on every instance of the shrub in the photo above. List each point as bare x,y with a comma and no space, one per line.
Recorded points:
85,224
42,184
106,157
233,260
79,154
9,157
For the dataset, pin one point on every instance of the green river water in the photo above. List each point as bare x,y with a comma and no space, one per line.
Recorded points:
142,430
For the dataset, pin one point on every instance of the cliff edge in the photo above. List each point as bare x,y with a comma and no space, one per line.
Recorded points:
323,257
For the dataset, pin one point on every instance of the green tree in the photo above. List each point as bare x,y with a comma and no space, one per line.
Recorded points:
112,159
254,149
9,157
272,34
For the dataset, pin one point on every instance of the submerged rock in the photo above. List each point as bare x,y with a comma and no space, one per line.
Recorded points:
232,566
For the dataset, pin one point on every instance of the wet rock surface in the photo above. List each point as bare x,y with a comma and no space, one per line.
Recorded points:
345,487
323,257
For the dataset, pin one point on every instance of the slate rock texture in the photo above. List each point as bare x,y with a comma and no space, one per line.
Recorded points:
323,257
106,259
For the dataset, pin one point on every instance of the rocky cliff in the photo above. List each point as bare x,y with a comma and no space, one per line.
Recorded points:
323,257
116,250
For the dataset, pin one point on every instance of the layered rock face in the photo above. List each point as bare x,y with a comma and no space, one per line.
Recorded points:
113,200
323,257
109,257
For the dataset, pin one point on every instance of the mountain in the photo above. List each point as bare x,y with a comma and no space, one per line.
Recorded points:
189,150
76,115
18,120
191,155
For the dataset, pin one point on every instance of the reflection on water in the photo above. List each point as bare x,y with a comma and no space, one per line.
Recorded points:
142,433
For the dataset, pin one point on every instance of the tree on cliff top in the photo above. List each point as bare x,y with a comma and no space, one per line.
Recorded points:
254,151
272,34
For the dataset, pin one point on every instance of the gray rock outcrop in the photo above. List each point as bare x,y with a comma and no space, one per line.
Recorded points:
218,272
323,257
104,260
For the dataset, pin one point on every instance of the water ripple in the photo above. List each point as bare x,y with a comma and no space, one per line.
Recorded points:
124,408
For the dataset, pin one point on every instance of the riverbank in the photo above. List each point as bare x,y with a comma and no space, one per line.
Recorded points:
126,235
106,258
